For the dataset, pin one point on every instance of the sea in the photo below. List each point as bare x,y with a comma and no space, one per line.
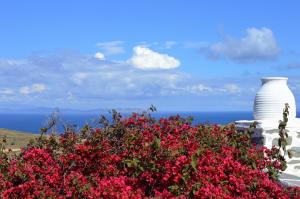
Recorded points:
32,123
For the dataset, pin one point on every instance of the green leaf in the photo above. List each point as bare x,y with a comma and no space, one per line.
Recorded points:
290,153
253,165
128,163
279,142
174,189
44,130
135,161
194,162
156,143
283,143
199,151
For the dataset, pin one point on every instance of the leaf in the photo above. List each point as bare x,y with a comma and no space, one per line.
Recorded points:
279,142
283,143
44,130
286,135
156,143
174,189
152,108
290,153
254,165
185,176
199,151
128,163
135,161
194,162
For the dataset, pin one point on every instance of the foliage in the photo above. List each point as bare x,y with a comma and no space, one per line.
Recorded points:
283,135
140,157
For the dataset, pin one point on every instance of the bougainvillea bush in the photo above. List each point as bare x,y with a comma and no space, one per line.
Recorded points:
140,157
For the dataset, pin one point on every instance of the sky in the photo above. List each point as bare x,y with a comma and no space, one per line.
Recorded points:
177,55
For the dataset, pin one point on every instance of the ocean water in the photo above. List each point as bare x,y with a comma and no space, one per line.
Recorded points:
33,122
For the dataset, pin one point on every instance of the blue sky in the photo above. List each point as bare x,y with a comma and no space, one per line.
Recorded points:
177,55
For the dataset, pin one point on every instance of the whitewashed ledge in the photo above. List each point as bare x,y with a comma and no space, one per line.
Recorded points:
266,134
289,180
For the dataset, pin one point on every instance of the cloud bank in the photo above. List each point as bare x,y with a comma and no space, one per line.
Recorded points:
70,79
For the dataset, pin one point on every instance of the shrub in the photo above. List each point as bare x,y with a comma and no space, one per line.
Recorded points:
140,157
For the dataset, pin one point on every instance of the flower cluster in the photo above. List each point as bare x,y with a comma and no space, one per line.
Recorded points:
140,157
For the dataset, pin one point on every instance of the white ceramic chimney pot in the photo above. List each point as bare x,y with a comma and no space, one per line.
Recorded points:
271,98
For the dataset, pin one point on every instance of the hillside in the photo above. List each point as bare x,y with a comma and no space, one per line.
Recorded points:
16,139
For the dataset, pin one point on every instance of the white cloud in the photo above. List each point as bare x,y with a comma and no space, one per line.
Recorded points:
99,56
6,91
231,88
257,45
78,77
170,44
70,95
147,59
111,47
198,88
34,88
